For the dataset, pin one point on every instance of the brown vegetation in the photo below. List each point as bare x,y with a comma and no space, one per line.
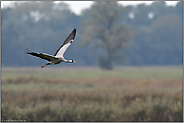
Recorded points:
98,99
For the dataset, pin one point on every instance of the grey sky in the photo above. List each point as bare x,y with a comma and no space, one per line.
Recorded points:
77,6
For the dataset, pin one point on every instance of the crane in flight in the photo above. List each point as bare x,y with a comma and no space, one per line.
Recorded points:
58,56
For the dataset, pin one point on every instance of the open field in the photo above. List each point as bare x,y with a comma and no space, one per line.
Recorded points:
90,72
91,94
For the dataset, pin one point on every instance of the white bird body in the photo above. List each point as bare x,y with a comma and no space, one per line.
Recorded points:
58,57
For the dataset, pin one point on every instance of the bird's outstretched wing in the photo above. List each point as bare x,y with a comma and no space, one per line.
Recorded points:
66,44
41,55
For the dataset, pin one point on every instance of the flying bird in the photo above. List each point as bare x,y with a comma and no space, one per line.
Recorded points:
58,56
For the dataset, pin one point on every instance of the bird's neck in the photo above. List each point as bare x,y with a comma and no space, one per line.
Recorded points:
69,61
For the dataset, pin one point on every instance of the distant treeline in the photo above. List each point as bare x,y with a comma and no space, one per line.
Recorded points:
43,26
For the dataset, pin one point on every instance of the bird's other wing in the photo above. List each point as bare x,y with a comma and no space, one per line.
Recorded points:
42,55
66,44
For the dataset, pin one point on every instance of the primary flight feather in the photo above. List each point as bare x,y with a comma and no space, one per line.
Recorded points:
58,56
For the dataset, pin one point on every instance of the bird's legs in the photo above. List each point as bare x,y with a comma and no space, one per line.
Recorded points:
45,65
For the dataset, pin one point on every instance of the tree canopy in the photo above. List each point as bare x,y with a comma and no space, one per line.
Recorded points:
139,35
103,26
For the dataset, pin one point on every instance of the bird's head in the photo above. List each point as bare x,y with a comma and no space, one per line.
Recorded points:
72,61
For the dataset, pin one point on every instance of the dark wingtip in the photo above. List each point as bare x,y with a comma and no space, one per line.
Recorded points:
74,30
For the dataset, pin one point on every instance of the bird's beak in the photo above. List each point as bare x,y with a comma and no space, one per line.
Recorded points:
74,62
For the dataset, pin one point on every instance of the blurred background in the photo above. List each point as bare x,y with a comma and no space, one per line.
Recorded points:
139,34
128,61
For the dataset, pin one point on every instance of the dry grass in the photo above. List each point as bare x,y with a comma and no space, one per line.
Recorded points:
104,98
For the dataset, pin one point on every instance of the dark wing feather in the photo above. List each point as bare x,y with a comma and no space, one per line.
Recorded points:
69,39
42,56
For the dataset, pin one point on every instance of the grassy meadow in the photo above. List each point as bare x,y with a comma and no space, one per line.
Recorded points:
91,94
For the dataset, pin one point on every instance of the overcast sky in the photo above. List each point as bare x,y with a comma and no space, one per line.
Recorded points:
77,6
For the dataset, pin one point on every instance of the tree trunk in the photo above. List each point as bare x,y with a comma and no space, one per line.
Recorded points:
109,60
